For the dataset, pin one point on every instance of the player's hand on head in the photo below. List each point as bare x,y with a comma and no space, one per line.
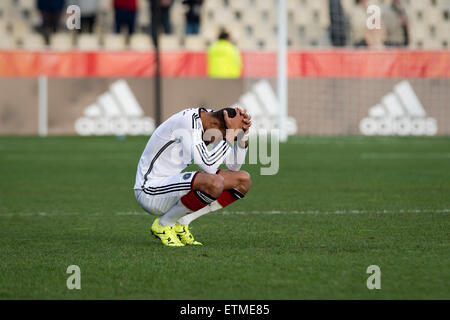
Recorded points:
246,119
234,126
233,123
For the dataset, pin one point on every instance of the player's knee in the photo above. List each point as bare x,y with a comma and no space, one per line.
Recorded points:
245,181
215,186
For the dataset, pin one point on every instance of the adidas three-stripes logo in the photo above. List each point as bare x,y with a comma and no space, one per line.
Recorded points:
399,113
116,112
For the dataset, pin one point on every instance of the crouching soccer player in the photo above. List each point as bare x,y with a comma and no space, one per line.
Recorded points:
181,197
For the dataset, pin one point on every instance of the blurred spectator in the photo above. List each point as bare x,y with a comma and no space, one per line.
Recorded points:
358,24
396,23
51,14
165,6
338,26
224,59
375,38
89,10
361,35
193,16
125,14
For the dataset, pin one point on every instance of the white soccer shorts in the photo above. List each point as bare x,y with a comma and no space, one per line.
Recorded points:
163,193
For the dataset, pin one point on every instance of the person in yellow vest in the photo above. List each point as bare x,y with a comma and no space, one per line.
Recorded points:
224,58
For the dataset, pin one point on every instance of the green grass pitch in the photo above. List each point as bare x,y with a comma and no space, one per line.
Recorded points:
337,206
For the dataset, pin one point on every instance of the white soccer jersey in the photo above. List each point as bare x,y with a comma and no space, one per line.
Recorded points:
178,142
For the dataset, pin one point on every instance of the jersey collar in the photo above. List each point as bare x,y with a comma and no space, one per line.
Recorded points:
199,111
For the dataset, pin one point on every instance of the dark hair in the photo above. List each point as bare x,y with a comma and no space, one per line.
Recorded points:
224,35
219,116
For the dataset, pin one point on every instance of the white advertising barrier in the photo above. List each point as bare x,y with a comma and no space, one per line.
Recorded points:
262,104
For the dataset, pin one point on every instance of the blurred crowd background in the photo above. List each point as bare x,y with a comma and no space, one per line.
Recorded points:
196,24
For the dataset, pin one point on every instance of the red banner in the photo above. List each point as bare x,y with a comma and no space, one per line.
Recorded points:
314,63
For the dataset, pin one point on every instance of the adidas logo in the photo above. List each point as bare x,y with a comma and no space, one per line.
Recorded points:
116,112
262,104
399,113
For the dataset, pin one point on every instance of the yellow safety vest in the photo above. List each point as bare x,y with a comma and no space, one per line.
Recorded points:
224,60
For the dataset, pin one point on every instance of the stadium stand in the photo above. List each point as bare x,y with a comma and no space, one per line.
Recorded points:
170,42
251,23
88,42
194,43
33,41
114,42
61,41
140,42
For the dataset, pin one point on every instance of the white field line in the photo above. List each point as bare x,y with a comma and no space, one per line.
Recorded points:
272,212
406,155
62,157
372,140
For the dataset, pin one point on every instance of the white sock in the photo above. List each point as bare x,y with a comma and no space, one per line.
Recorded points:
175,213
188,218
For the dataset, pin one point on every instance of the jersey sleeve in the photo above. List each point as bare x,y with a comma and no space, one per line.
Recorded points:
190,134
236,158
210,160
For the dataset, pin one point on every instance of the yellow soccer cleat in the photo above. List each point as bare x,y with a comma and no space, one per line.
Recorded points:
185,235
166,234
